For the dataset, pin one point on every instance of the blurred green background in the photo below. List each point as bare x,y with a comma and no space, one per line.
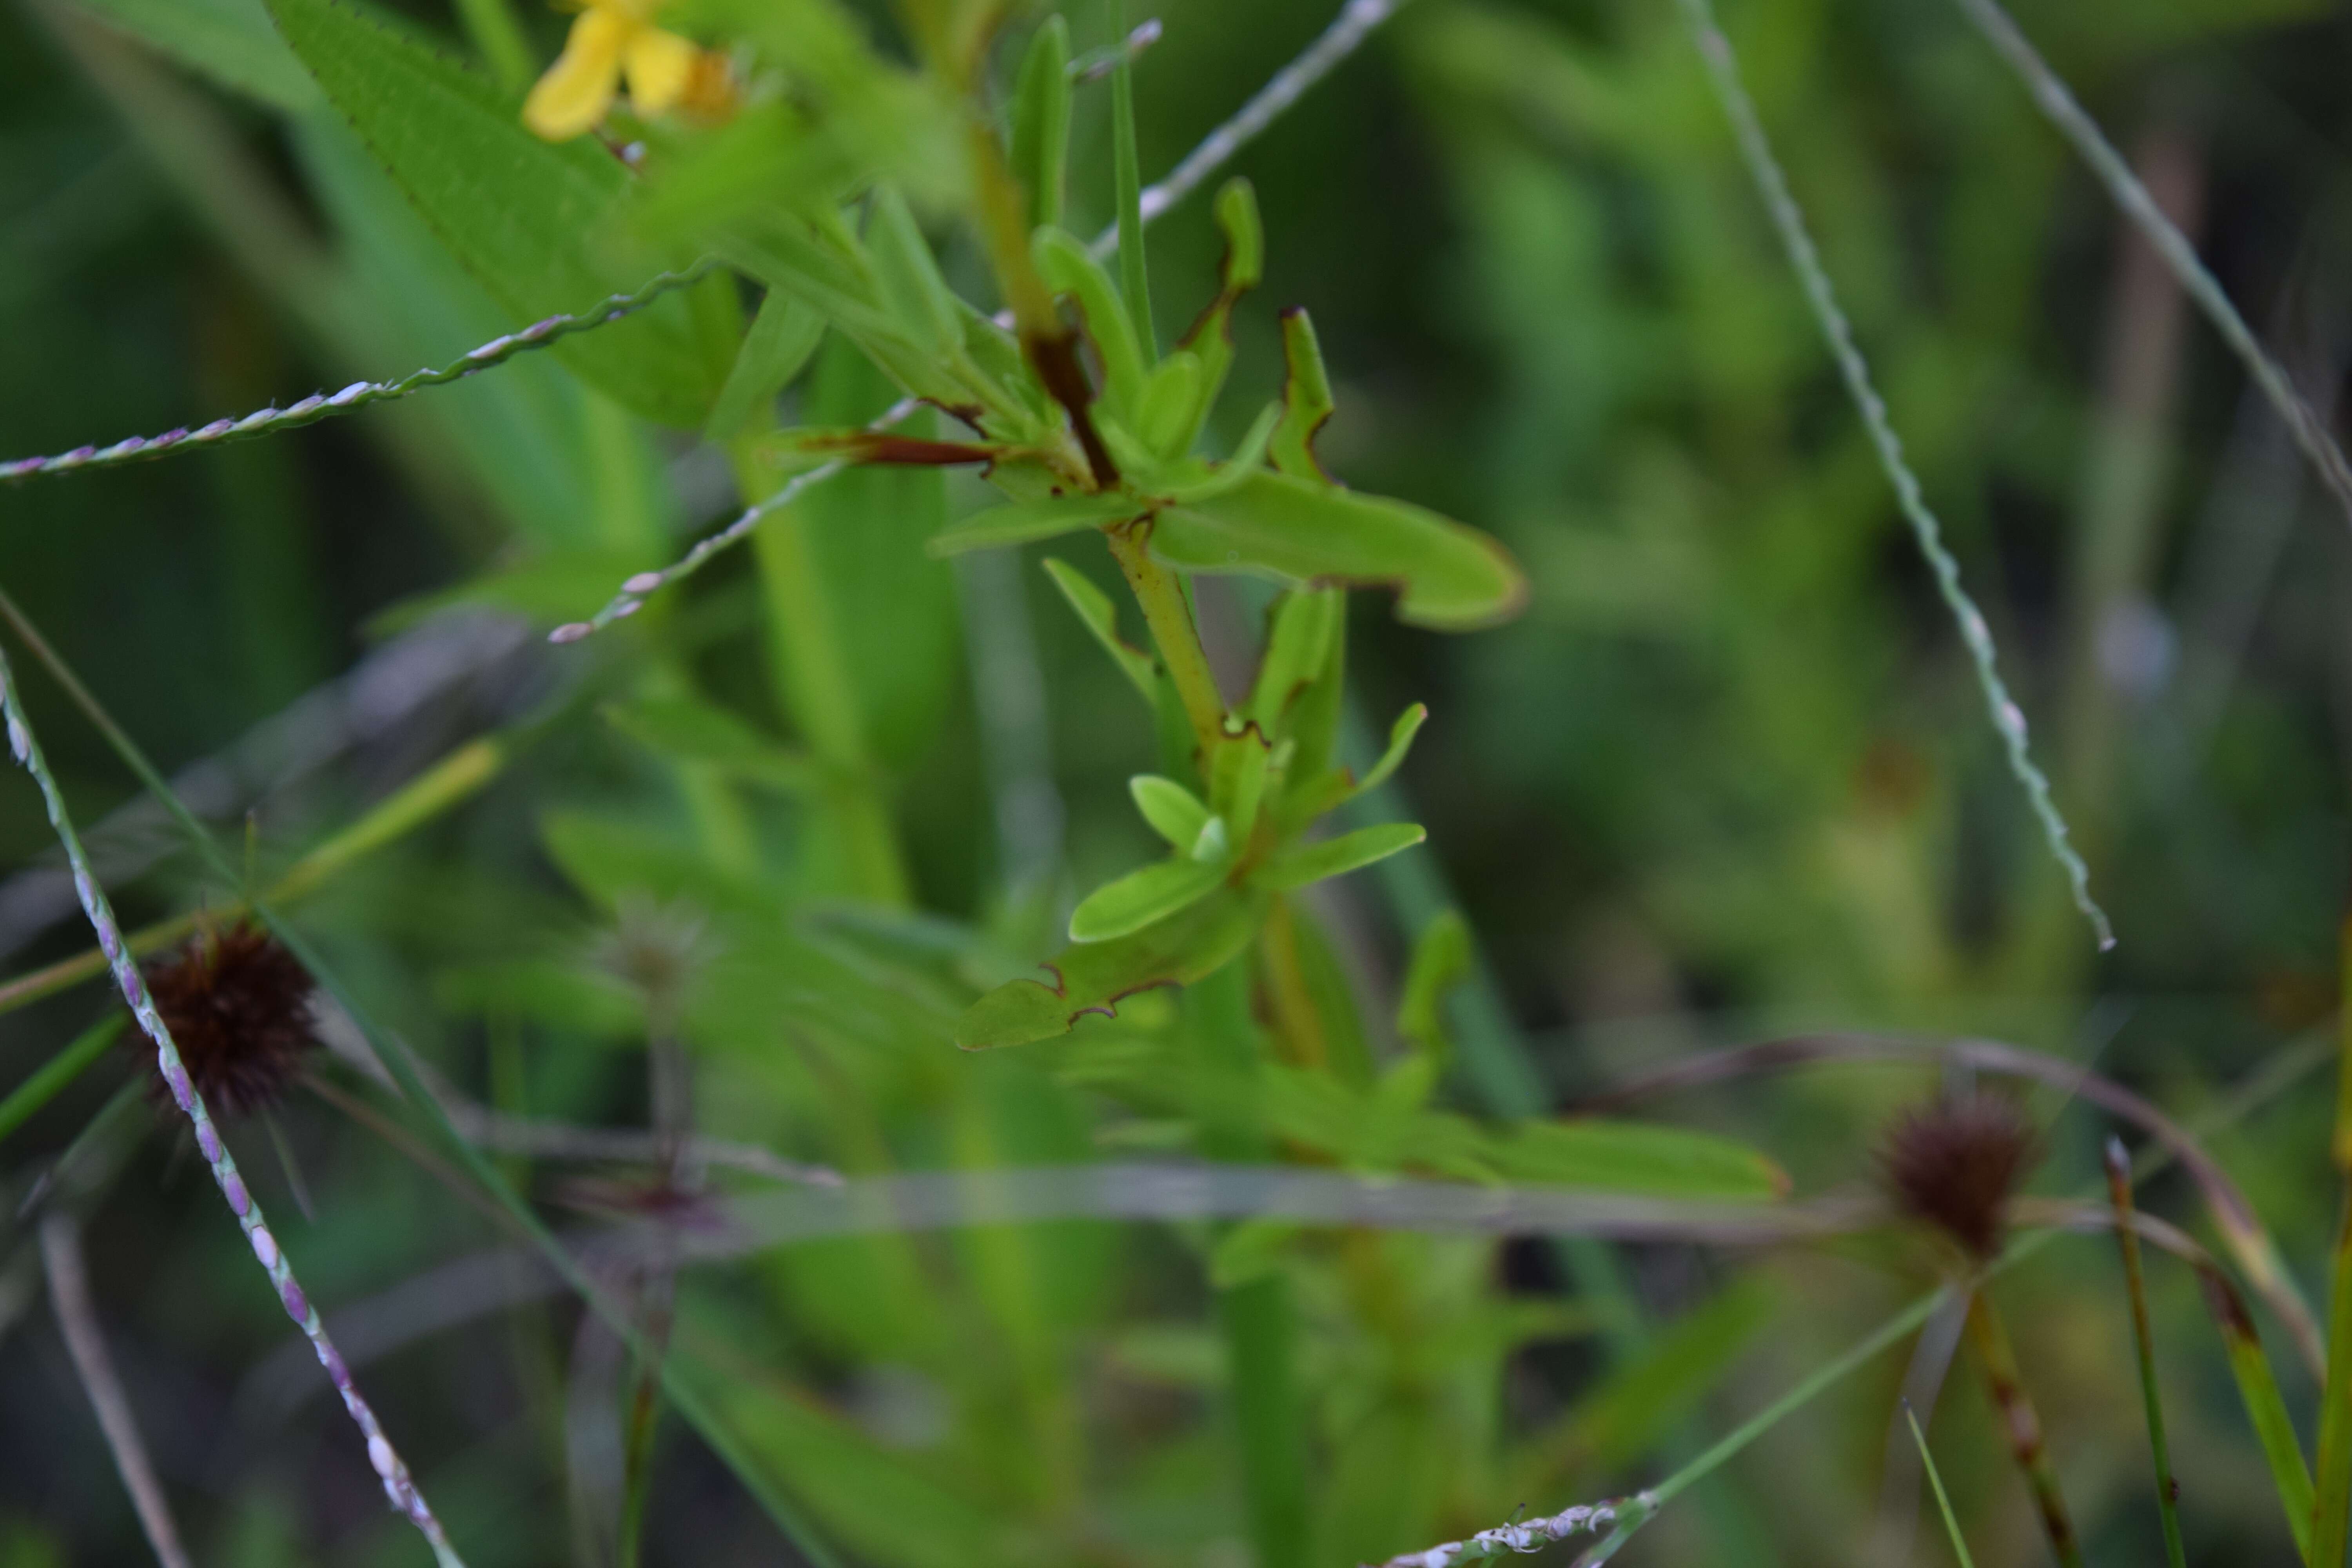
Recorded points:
1727,778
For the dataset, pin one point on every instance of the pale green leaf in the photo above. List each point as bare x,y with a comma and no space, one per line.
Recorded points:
1337,856
1094,611
1143,898
1093,977
1447,577
1305,399
1633,1156
1067,268
1040,120
784,336
1021,521
1175,812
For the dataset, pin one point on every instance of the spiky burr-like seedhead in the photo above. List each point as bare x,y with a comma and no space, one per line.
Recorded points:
238,1007
1954,1162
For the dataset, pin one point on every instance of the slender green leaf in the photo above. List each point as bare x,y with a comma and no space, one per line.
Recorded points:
1040,120
1237,779
914,293
1447,577
1440,960
1095,612
534,221
1164,419
1212,337
1634,1156
1297,649
1021,521
1067,268
1175,812
1401,733
1337,856
784,336
1305,399
1093,977
1144,897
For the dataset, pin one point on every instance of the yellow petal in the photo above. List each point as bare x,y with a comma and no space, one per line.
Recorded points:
578,87
660,65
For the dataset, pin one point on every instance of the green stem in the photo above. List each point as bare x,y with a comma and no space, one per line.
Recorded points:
2168,1489
2332,1500
813,682
1165,611
49,1079
2024,1426
1256,1318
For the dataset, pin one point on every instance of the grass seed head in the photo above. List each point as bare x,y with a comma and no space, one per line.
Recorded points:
1954,1162
238,1007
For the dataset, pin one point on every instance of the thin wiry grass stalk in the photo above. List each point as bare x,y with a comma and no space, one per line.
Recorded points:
358,394
2168,1488
1943,1500
2021,1424
78,1322
2057,103
1789,220
390,1469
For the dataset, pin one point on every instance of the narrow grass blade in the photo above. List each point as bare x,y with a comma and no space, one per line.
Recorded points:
51,1077
1943,1498
2168,1488
2265,1408
2008,718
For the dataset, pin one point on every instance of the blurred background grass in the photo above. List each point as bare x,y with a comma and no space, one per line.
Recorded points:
1728,777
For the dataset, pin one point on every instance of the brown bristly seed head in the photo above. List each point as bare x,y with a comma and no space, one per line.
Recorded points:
1954,1162
238,1007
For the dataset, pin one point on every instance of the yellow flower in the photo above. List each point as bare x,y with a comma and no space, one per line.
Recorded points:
615,37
